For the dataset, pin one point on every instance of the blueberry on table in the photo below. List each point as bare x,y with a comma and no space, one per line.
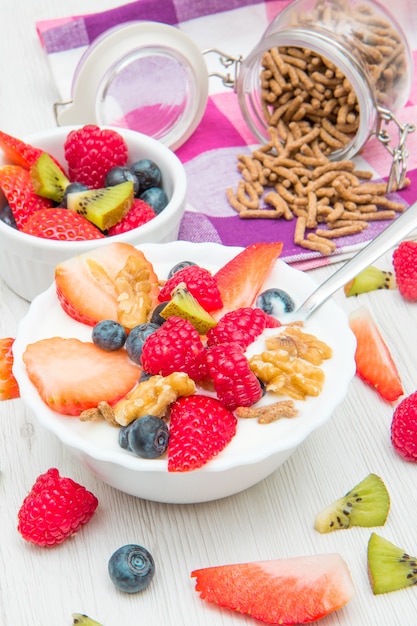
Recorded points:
131,568
156,197
148,173
109,335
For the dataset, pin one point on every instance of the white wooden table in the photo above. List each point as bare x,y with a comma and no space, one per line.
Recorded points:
273,519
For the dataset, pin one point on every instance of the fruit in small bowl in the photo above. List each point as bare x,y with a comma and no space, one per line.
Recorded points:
27,261
206,388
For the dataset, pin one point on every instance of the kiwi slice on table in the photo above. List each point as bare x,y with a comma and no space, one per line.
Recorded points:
367,504
389,567
83,620
183,304
48,179
103,207
370,279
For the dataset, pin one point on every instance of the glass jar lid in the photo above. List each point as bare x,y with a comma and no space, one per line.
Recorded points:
145,76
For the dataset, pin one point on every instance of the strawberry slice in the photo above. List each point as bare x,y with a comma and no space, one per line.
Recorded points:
9,388
18,152
240,280
72,376
374,363
16,184
114,282
284,591
62,225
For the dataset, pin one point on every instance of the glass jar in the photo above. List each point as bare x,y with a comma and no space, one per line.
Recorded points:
341,62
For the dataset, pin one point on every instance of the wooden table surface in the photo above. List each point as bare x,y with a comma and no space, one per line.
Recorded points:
272,519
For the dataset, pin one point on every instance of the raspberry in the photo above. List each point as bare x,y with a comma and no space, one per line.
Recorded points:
404,261
241,326
140,213
404,428
200,427
91,152
234,382
199,282
175,347
55,508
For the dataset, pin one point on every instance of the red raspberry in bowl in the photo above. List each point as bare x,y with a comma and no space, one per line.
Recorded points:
199,282
91,152
55,508
140,213
241,326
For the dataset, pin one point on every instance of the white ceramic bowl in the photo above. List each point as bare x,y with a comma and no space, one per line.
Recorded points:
255,452
27,263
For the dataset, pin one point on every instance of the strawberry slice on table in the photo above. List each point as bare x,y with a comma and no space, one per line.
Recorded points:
295,590
374,363
72,376
9,389
114,282
16,184
62,225
240,279
17,151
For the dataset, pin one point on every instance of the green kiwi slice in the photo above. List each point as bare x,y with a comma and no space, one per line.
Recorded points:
103,207
389,567
183,304
48,180
367,504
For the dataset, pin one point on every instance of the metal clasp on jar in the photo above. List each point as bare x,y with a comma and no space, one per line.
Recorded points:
228,62
399,152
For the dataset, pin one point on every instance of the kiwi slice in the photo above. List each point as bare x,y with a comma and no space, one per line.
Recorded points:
48,179
183,304
83,620
370,279
389,567
103,207
367,504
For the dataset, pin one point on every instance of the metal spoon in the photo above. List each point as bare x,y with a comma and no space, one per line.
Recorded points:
388,238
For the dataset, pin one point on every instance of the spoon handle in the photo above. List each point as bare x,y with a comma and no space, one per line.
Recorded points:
388,238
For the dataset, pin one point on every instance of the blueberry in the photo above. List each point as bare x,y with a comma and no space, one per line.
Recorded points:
156,318
156,197
123,437
109,335
148,173
136,339
275,302
120,174
179,266
6,215
131,568
148,437
72,188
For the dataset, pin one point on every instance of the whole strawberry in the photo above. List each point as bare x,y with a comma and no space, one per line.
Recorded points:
234,382
62,225
404,428
404,260
140,213
175,347
241,326
199,282
16,184
55,508
200,428
91,152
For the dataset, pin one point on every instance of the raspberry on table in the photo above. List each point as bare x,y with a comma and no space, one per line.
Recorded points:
404,428
55,508
175,347
234,382
241,326
91,152
199,282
